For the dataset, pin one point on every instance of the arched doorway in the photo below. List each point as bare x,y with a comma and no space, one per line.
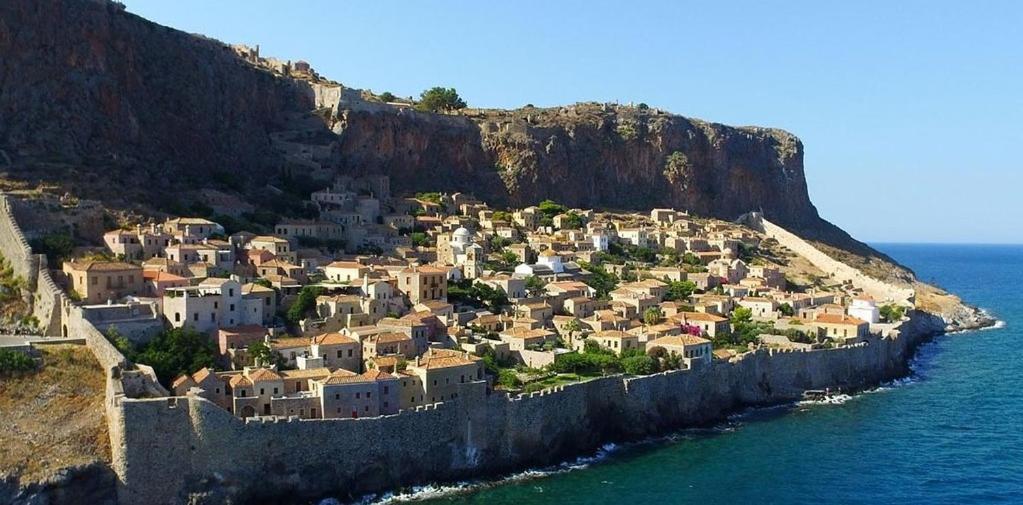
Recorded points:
248,411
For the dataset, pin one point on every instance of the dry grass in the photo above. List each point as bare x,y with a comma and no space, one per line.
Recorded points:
53,418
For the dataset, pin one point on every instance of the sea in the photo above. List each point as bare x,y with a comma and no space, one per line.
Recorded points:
951,432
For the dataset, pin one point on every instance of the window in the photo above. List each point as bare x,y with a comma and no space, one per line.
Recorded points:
262,391
275,390
213,316
230,292
368,394
177,317
216,305
232,307
195,317
349,353
358,395
386,388
338,397
366,408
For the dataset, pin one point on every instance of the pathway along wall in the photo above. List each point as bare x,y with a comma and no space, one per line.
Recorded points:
173,449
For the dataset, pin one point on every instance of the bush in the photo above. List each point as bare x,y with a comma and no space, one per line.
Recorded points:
305,303
387,96
892,313
437,99
679,290
171,353
56,246
639,365
15,362
507,378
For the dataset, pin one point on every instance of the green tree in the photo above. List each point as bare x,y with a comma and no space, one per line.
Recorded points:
263,355
420,239
438,98
679,290
177,351
786,310
639,365
653,315
602,281
571,221
305,303
535,286
742,315
387,96
508,379
572,327
892,313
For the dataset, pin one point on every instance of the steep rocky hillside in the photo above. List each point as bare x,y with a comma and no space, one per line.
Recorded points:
114,107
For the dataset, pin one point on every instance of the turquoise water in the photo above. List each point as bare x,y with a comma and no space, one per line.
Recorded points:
952,433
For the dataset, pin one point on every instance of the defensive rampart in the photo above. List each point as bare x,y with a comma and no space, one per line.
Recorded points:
879,290
170,449
186,449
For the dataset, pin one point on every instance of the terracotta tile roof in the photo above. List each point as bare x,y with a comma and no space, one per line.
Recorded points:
239,380
346,264
181,380
390,337
100,266
341,376
700,316
446,358
677,341
161,276
308,373
333,339
202,374
838,319
263,375
613,334
289,343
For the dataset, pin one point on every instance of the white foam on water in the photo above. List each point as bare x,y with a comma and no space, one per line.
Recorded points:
432,491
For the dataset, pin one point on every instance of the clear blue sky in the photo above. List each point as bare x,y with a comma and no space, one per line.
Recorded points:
911,112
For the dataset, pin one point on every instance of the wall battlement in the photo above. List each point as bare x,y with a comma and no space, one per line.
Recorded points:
196,445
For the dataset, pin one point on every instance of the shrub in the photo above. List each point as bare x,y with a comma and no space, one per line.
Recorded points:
438,98
15,362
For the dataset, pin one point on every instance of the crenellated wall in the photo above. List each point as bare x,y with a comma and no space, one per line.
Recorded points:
47,300
170,448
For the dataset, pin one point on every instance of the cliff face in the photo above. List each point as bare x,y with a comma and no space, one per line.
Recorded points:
93,94
123,110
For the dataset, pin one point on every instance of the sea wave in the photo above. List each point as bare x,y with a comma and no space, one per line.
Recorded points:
837,399
433,491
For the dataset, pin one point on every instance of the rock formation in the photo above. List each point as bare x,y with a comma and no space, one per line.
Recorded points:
124,110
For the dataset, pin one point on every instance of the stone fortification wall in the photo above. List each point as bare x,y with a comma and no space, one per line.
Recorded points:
166,449
879,290
46,299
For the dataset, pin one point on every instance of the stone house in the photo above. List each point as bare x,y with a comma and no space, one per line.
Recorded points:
616,341
441,371
99,281
694,351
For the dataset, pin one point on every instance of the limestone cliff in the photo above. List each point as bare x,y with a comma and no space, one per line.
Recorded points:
114,107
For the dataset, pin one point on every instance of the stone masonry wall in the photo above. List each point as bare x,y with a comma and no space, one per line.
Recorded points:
878,289
173,448
47,299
